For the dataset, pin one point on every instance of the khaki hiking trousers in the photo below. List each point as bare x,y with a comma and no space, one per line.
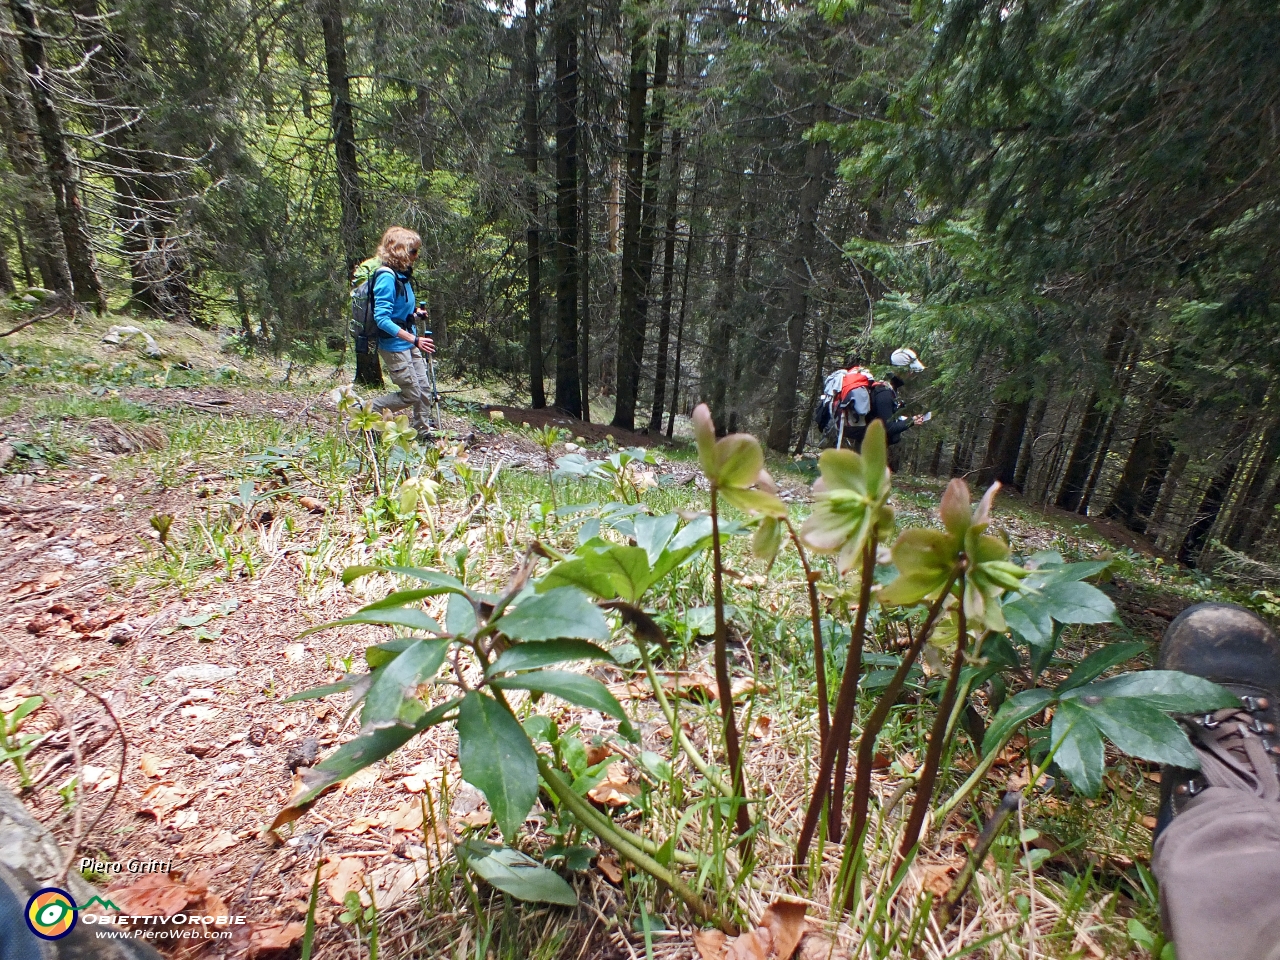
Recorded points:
408,371
1218,863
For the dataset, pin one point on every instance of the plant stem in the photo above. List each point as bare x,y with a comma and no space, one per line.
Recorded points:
849,683
938,737
1010,802
604,828
819,654
979,773
842,722
871,730
732,749
677,732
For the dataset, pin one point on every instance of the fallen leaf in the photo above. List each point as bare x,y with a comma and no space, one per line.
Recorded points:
616,789
476,818
360,780
427,772
818,946
295,652
612,870
760,729
153,766
755,944
201,714
709,944
155,895
785,920
341,876
107,783
221,841
106,539
276,938
598,754
1149,822
361,824
69,665
391,882
312,504
934,878
408,817
162,799
185,819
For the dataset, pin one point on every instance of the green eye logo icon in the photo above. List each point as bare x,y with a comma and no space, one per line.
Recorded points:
51,913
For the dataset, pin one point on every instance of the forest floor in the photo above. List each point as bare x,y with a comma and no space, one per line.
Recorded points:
191,640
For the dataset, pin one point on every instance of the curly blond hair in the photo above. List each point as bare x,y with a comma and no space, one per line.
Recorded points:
397,247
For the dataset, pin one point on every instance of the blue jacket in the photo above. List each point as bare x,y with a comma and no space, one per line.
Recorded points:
391,312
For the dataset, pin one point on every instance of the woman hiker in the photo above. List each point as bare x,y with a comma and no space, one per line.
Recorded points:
400,348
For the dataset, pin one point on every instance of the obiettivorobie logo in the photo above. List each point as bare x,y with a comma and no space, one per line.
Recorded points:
52,912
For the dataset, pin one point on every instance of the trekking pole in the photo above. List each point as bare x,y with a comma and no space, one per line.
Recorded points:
840,433
435,393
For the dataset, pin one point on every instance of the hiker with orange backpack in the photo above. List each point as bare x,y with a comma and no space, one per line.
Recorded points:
852,398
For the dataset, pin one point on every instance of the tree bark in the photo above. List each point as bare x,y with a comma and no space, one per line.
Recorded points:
63,178
568,387
633,308
819,362
668,264
533,256
684,303
1248,518
584,283
718,355
1206,515
342,125
795,300
1025,459
6,275
1075,481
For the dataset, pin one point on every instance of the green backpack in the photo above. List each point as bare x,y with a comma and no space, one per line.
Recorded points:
362,327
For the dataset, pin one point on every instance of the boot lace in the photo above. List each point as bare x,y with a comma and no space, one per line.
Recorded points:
1235,751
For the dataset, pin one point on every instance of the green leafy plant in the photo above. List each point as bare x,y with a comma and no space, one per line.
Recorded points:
14,745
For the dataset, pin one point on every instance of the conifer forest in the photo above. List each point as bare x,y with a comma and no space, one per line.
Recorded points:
632,636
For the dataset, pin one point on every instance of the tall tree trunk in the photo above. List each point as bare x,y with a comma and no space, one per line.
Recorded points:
633,308
796,297
1138,489
342,124
1006,442
568,387
1248,518
668,270
584,277
23,260
717,357
1074,482
1027,456
627,364
1206,515
6,275
63,178
684,303
819,362
533,254
17,124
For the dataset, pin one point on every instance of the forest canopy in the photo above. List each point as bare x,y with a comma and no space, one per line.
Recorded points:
1069,210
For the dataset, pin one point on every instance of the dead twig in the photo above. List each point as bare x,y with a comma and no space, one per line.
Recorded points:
180,702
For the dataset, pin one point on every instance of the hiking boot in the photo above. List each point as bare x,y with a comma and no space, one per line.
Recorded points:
1239,747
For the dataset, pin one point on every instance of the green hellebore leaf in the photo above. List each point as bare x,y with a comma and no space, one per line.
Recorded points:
563,612
704,433
1078,747
1163,689
767,540
575,687
738,461
516,874
1077,602
392,699
459,615
955,510
1013,713
1099,662
841,470
498,760
1142,731
754,501
541,653
875,459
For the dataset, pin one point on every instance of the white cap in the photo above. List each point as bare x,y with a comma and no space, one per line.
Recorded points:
906,357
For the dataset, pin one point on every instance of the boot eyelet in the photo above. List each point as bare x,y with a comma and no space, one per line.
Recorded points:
1208,721
1255,704
1259,727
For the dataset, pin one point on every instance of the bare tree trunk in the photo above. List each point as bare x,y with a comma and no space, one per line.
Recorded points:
668,269
584,284
63,178
18,126
568,386
6,275
1248,518
684,304
1025,459
819,361
633,308
533,253
718,354
1074,483
342,123
1206,515
796,298
23,260
627,364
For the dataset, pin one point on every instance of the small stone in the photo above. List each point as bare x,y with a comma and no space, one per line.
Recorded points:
302,754
201,750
